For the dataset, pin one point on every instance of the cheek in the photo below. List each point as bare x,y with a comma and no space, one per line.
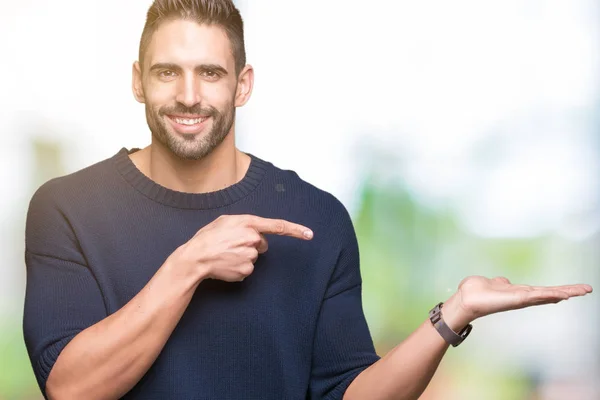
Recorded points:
219,95
213,94
159,95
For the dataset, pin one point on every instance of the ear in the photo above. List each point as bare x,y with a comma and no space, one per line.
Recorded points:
245,85
138,89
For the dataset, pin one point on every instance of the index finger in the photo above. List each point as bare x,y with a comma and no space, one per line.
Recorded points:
279,227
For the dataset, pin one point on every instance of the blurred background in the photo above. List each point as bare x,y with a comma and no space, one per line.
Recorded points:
462,136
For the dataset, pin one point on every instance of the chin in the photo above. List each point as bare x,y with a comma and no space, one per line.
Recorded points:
189,150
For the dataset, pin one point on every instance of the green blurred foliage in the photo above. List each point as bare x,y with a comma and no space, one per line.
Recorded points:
16,376
413,256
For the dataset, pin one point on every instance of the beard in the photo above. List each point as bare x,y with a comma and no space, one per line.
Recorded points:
191,146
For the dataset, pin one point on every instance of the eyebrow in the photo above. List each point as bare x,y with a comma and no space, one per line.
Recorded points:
198,68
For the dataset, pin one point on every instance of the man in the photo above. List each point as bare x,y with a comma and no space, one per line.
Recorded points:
150,275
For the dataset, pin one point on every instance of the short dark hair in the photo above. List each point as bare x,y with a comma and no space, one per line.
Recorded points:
222,13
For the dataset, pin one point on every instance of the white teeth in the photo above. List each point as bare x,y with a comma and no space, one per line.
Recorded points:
184,121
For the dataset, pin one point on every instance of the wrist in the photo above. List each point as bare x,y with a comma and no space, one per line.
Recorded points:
185,269
455,315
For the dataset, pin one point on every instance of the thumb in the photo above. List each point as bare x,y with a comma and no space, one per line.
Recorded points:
263,245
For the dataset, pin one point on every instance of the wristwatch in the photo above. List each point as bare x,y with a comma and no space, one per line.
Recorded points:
451,337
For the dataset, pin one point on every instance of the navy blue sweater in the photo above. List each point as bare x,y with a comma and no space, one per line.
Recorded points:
294,329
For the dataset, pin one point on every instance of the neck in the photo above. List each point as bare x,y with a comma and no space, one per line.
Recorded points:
223,167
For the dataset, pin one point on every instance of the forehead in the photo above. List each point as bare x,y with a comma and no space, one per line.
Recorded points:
188,43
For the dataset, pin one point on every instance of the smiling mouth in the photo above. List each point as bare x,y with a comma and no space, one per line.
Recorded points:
192,124
188,121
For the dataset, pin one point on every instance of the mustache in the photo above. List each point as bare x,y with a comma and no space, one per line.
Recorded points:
183,110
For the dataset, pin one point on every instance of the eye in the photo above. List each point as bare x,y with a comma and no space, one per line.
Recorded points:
166,74
211,75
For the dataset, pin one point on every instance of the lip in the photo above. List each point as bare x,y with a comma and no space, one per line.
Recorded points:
187,129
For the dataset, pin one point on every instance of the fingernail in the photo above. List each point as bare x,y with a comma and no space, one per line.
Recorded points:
308,234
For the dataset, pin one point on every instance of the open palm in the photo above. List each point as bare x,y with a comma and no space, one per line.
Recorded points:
479,296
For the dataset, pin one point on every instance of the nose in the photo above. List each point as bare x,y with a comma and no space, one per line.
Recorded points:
188,91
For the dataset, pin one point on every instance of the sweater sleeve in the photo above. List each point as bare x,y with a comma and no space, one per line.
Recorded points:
62,297
343,346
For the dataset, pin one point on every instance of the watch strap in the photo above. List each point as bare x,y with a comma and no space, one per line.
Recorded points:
451,337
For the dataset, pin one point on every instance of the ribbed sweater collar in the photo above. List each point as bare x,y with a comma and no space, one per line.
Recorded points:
231,194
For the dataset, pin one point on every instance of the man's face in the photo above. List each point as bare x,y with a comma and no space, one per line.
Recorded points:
189,87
